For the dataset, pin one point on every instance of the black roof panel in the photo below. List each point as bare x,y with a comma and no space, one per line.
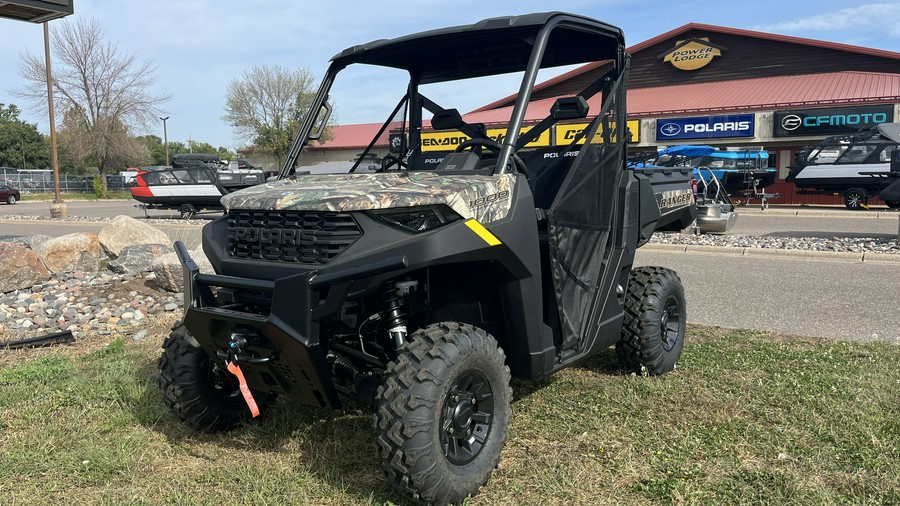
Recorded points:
491,46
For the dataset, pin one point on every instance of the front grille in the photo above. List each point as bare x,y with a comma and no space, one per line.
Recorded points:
314,237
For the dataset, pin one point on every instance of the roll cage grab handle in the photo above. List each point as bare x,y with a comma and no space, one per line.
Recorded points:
518,114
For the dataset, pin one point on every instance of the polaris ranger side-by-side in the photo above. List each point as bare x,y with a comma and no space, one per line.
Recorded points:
422,287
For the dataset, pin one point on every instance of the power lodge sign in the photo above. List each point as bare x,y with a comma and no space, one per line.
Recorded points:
692,54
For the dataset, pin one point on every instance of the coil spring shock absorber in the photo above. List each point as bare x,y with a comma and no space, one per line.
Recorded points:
394,317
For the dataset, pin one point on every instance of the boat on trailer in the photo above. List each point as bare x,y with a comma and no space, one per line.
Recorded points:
739,170
192,184
854,166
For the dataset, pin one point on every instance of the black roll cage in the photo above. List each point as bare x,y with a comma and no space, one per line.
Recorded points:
585,40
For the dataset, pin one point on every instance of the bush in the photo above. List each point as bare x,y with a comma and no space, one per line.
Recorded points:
98,187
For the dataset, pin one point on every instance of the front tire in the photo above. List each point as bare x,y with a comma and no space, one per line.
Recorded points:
11,199
443,413
199,391
655,321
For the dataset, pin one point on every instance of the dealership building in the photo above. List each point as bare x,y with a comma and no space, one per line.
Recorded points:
718,86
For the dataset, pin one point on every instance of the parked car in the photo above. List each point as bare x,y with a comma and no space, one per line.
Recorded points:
9,194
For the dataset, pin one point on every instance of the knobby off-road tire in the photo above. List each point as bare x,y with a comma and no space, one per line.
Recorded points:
443,413
199,391
654,326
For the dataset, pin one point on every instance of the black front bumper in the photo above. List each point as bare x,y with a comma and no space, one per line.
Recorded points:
278,320
283,354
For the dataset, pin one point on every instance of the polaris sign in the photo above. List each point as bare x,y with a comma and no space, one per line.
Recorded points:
705,127
837,120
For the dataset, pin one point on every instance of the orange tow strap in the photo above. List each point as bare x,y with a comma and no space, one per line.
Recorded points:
245,390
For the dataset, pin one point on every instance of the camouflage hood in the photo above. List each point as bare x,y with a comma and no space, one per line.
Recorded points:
485,198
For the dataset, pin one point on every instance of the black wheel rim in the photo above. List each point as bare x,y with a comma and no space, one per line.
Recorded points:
466,417
671,323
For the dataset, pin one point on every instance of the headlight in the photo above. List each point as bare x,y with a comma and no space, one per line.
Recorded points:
417,219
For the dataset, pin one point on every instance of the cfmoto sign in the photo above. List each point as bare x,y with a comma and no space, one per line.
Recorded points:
705,127
831,121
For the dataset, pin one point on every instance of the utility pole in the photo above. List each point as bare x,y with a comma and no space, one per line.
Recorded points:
23,153
165,137
57,207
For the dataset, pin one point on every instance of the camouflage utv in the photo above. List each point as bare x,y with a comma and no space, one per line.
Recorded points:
419,286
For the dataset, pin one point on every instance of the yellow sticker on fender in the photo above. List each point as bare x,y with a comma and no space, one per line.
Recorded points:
484,233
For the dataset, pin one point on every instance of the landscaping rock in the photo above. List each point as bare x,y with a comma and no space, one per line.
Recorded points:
168,271
73,252
126,231
21,267
134,259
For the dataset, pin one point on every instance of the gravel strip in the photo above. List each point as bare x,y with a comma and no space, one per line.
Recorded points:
834,244
85,304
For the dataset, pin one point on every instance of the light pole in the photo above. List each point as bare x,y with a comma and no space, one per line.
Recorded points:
165,137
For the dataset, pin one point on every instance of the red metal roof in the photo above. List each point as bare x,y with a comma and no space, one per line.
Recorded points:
353,137
781,92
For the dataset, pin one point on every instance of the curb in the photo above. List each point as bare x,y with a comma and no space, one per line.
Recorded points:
827,256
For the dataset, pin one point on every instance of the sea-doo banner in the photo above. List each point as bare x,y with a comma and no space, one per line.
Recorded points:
705,127
835,120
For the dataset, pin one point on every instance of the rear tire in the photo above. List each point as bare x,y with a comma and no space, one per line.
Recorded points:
856,198
655,321
199,391
443,413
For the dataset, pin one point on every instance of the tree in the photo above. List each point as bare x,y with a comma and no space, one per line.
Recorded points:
102,93
205,147
21,145
266,105
157,149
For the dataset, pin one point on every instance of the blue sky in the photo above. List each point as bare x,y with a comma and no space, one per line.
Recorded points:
198,46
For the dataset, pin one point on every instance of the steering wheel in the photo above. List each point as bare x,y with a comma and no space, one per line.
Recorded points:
390,160
495,147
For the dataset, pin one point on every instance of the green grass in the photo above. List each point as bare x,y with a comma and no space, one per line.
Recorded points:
748,418
112,195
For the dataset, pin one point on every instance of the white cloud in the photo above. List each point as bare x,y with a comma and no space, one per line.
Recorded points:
869,17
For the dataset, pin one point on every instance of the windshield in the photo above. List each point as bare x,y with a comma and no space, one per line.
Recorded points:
373,106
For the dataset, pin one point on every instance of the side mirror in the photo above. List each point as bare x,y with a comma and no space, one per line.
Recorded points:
397,144
569,108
